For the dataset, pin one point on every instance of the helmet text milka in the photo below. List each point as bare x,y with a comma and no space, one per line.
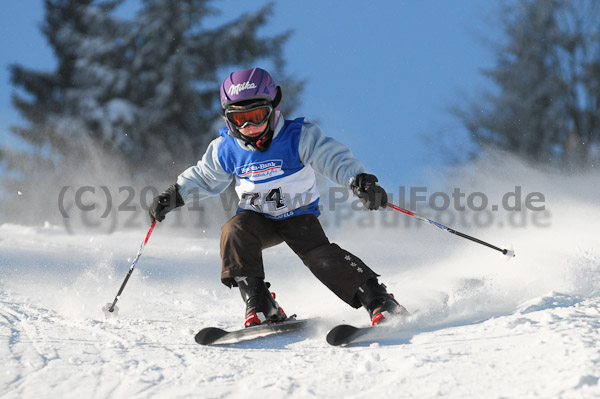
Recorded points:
235,89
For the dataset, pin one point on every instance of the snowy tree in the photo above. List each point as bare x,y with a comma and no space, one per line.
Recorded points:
61,106
140,89
546,108
136,98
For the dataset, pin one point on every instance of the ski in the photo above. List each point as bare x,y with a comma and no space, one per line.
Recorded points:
345,334
218,336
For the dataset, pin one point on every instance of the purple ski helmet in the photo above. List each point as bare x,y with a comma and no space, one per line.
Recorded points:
245,89
248,84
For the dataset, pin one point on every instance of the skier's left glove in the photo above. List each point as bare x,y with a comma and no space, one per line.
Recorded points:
365,187
164,203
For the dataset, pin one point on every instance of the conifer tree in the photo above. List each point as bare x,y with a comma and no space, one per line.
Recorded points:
138,97
546,108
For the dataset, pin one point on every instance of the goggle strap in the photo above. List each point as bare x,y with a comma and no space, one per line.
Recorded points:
277,98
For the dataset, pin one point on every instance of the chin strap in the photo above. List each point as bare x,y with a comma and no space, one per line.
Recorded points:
260,143
263,141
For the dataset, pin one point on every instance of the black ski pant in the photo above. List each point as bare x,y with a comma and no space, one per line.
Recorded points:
245,235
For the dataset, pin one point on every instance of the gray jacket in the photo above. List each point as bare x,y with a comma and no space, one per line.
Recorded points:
325,155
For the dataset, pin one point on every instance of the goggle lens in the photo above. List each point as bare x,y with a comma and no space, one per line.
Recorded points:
255,117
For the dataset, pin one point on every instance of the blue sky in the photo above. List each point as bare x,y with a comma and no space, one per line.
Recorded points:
380,75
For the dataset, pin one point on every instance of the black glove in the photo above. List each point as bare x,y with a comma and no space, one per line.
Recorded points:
371,195
164,203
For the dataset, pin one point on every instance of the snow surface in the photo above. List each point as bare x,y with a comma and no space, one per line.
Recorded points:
482,327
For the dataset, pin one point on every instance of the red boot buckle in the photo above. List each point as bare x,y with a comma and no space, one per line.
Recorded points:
378,318
252,320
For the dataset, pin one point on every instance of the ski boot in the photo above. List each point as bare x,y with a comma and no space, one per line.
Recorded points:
378,302
260,303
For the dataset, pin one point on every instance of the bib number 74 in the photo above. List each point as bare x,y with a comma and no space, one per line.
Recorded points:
274,197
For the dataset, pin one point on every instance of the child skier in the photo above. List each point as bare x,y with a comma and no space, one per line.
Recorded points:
273,162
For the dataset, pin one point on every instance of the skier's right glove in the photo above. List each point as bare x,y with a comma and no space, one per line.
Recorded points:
365,187
165,203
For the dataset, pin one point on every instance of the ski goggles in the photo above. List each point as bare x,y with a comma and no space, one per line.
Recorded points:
255,116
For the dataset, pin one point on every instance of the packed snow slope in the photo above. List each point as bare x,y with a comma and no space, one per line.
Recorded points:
482,327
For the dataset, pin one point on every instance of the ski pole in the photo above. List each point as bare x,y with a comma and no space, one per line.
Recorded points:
110,308
506,252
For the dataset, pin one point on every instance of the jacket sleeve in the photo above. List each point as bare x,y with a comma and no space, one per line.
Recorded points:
205,179
328,156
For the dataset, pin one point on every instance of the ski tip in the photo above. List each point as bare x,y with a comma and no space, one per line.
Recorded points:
340,335
209,335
